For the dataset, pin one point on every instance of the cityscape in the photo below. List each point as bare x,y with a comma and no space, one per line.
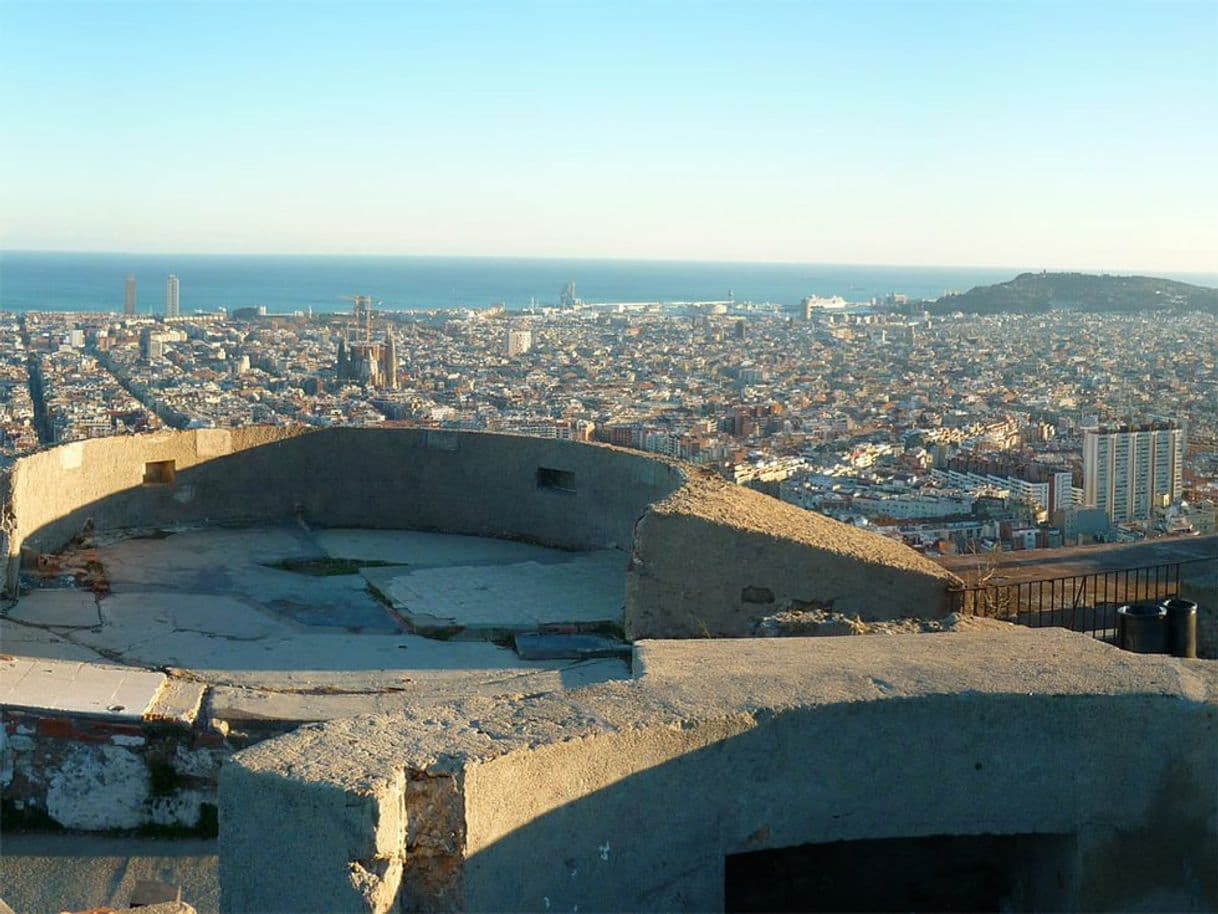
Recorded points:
949,432
549,457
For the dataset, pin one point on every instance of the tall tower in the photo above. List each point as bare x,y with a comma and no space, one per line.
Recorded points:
389,372
519,342
171,296
342,368
129,296
1130,471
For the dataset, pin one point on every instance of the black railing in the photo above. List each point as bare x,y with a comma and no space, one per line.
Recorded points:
1079,602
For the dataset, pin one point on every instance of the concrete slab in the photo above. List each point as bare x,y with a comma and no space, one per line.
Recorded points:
178,702
534,646
346,662
303,647
428,550
120,693
227,636
310,697
206,614
587,588
57,609
28,641
200,561
139,627
242,563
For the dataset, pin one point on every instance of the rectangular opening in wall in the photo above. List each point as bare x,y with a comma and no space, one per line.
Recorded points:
936,873
158,472
555,480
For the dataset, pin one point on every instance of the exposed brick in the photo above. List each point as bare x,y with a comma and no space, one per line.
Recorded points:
58,727
125,729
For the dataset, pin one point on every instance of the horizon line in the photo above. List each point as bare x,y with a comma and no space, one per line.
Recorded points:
1131,271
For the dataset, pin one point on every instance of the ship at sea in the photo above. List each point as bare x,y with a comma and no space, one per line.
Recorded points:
834,303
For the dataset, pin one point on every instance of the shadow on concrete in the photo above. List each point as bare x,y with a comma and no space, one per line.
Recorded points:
414,479
1021,790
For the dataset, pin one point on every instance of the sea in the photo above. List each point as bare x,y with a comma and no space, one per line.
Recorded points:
54,281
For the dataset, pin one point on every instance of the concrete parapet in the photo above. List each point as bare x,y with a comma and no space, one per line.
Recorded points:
712,559
707,557
633,796
553,492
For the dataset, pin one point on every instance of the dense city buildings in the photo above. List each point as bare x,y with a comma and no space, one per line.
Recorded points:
953,432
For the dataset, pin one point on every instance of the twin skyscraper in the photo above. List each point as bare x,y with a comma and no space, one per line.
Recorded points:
172,308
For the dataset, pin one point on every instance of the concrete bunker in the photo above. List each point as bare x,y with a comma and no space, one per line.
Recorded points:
1008,753
267,577
695,550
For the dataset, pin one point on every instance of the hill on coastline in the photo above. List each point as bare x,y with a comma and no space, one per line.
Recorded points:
1033,292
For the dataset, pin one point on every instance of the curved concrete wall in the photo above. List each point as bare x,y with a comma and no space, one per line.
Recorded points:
629,796
459,482
707,558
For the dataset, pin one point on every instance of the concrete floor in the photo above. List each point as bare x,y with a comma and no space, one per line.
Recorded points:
285,644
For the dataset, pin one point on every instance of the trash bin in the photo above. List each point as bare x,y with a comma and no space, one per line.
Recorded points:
1142,628
1181,627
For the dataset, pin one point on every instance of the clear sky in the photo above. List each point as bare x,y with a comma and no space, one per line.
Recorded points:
1060,134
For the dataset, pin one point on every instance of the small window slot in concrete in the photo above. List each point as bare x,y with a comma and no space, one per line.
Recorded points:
158,472
555,480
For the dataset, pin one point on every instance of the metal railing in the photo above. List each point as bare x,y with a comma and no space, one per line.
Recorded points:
1079,602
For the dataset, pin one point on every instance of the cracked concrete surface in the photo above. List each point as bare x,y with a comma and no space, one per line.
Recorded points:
209,605
58,609
519,596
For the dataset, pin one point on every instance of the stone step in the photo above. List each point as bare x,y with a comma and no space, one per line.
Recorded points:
555,646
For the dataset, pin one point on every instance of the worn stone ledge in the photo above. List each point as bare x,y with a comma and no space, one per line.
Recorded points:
628,796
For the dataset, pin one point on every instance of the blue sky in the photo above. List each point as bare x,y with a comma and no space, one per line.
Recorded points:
1034,134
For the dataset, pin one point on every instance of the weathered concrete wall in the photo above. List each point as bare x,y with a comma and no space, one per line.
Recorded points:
1199,583
53,492
628,796
713,559
93,774
707,557
465,482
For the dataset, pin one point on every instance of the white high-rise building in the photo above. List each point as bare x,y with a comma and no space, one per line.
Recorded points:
1129,471
519,341
171,296
129,295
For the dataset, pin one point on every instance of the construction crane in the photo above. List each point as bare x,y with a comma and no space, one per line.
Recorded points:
363,309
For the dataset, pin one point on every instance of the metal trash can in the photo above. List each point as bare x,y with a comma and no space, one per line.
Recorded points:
1142,628
1181,627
